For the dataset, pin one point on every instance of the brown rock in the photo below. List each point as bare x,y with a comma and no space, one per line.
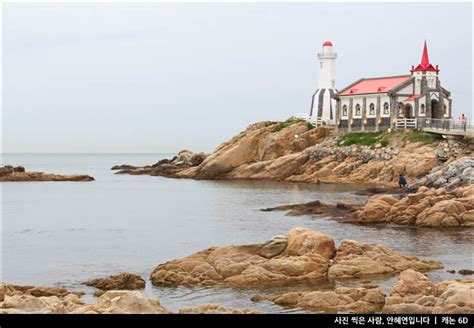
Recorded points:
119,282
466,272
10,173
356,300
215,309
355,260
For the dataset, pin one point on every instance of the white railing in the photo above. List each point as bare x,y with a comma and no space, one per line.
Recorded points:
317,122
405,123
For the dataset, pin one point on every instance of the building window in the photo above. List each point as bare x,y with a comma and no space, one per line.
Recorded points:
422,109
344,110
445,109
385,108
400,109
371,109
357,110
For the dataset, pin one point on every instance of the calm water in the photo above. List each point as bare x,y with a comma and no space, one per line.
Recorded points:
62,233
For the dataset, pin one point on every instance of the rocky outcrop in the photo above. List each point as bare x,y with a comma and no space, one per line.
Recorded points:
354,259
415,293
299,153
36,291
340,210
427,207
165,167
457,173
215,309
111,302
301,256
18,173
121,281
355,300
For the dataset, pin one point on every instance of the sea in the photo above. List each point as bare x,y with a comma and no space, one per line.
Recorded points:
63,233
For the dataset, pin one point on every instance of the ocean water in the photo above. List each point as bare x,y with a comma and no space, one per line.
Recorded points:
62,233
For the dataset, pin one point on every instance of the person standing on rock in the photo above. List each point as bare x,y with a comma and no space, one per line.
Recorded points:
402,182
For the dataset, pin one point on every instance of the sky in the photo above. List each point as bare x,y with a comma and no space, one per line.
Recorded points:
160,77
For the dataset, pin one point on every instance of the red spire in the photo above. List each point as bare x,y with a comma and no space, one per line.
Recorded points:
424,58
425,63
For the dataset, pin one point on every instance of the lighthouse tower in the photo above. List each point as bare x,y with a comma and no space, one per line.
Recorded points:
323,105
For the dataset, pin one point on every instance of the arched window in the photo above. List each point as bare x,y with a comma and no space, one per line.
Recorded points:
344,110
357,109
385,108
422,109
372,109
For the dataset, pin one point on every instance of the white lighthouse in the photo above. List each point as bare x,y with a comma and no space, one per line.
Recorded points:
323,105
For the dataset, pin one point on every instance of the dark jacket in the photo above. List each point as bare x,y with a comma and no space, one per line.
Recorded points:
402,181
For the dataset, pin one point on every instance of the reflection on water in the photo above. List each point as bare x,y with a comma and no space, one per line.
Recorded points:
62,233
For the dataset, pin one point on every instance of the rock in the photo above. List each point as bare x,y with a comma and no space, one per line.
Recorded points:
302,241
122,302
451,271
215,309
355,300
119,282
466,272
427,207
273,247
356,260
415,293
10,173
37,291
270,151
308,256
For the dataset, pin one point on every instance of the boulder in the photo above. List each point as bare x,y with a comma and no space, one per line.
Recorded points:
215,309
119,282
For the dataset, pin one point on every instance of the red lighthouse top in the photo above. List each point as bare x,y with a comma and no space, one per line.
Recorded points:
327,44
425,63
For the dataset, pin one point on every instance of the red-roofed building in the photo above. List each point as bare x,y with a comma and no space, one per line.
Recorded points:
376,103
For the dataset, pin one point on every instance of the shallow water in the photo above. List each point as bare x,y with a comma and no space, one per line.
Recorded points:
62,233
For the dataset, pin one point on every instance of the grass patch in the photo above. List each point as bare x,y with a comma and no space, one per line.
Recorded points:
281,125
420,136
363,138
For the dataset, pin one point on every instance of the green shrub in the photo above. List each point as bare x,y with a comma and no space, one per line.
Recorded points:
420,136
310,126
362,138
384,142
281,125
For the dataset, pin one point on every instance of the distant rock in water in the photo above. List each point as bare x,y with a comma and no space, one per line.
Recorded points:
121,281
18,173
215,309
165,167
302,256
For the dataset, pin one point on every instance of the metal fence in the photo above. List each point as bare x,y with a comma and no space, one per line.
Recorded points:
445,124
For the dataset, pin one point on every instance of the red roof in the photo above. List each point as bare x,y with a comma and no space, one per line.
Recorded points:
374,85
327,44
413,97
425,63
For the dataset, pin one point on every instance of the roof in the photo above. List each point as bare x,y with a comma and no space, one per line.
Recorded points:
425,63
327,44
413,97
374,85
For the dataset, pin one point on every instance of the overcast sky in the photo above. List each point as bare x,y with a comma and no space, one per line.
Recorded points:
157,77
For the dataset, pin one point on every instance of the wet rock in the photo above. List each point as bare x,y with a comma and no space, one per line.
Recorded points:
273,247
466,272
355,300
215,309
11,174
121,281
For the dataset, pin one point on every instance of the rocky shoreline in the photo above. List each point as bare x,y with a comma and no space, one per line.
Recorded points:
303,255
10,173
297,152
